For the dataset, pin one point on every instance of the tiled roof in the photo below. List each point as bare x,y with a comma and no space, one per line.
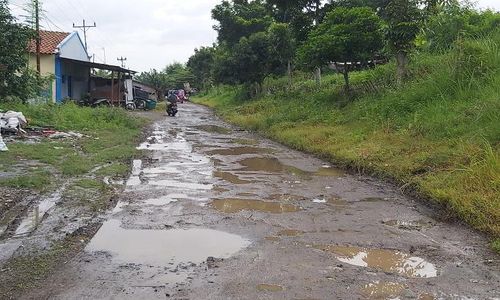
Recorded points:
49,41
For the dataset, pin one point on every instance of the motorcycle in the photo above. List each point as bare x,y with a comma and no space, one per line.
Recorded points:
171,109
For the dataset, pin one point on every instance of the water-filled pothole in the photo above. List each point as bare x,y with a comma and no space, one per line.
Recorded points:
161,247
238,205
382,290
390,261
230,177
407,225
239,151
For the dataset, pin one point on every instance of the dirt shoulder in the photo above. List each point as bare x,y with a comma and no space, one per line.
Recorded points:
54,190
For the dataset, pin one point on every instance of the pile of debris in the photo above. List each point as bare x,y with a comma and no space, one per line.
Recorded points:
11,122
14,125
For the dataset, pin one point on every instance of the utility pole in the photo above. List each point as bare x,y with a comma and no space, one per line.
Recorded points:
122,60
85,27
37,39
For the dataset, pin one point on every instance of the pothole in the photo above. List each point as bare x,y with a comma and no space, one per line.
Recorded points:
162,247
239,151
382,290
230,177
390,261
238,205
407,225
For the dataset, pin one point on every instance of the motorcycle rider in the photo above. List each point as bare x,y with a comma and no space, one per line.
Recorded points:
171,99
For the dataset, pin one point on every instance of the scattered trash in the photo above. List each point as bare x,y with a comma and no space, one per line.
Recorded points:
3,147
12,122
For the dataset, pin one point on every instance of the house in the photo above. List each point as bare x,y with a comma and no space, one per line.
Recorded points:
61,53
64,57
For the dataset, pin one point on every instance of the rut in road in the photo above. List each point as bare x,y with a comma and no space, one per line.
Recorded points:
220,213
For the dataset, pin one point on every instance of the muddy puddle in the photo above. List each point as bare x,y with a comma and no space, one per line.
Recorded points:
382,290
163,247
269,288
274,165
239,151
238,205
230,177
390,261
36,214
213,129
328,171
407,225
333,201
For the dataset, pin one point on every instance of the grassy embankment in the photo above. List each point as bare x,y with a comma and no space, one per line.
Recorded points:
111,136
438,135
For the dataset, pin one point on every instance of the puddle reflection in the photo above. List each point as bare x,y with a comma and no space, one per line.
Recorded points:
161,247
238,205
390,261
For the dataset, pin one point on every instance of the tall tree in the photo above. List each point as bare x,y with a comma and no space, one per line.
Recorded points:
346,35
403,18
239,19
14,39
201,64
281,48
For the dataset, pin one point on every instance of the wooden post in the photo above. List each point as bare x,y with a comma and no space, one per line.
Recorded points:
112,87
38,41
119,98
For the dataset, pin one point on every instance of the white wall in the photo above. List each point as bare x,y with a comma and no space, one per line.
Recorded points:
73,48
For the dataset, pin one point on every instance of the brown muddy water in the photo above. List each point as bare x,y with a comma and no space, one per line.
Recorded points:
161,247
214,212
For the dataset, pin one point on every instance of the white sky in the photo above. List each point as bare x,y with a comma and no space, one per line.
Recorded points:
149,33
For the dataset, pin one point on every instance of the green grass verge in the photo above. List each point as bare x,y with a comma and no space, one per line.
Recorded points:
438,134
111,136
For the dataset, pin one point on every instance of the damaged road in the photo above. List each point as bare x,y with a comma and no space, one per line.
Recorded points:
219,213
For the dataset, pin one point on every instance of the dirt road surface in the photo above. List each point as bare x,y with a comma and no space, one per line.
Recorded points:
220,213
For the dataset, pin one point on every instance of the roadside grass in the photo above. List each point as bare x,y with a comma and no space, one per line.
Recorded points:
111,136
438,135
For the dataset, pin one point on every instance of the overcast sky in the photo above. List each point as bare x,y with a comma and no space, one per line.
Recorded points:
149,33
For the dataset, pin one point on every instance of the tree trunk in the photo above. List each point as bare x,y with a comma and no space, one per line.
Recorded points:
401,66
317,75
289,74
346,79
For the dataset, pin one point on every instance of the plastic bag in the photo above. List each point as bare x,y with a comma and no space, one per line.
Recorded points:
3,147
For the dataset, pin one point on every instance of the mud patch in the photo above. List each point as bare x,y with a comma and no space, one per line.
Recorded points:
161,247
272,238
239,205
373,199
382,290
390,261
230,177
267,165
290,232
239,151
36,214
213,129
269,288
